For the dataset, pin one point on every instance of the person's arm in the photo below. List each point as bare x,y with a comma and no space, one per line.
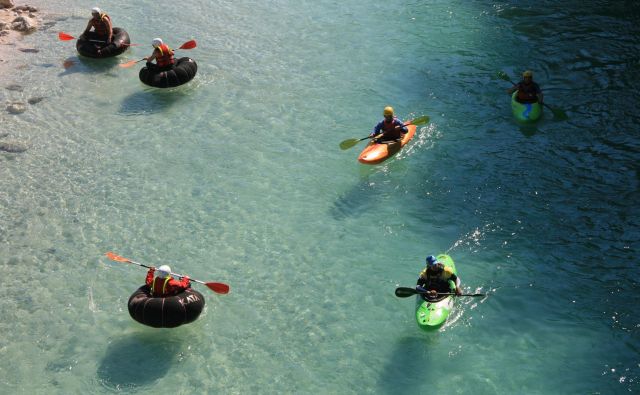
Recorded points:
88,28
400,125
175,286
376,129
153,56
109,30
455,281
512,89
149,278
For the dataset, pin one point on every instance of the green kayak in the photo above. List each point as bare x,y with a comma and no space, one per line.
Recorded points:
525,112
430,314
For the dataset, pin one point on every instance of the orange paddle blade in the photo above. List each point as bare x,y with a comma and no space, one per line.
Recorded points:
188,45
116,258
128,64
218,287
65,37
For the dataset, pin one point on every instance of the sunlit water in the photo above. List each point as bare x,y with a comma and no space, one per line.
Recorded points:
237,177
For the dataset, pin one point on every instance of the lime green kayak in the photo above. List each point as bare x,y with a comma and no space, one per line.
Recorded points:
432,314
525,112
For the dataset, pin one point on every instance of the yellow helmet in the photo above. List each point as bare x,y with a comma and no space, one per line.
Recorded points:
527,73
388,110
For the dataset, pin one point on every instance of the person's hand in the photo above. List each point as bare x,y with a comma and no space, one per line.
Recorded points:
458,291
432,293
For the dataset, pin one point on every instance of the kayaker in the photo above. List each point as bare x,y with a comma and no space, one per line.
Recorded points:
162,54
437,278
390,129
528,91
163,284
101,23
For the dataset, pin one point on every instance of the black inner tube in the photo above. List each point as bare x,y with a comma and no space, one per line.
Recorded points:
89,44
165,312
182,72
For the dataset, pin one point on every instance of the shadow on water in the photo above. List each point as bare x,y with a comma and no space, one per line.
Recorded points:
528,130
149,101
82,64
139,359
358,199
405,369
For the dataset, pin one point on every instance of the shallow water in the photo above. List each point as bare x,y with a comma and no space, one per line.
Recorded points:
237,177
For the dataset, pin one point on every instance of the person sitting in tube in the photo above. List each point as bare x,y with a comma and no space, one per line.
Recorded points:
528,91
162,54
437,278
163,284
390,129
101,23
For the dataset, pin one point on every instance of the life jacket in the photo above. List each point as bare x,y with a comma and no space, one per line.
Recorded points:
158,287
440,281
166,56
527,93
390,131
100,25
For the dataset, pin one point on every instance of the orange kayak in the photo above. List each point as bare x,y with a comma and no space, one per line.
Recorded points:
375,153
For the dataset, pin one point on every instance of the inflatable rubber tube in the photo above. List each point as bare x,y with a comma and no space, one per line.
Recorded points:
167,312
119,44
182,72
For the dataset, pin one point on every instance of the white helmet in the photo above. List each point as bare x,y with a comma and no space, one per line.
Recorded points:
156,42
95,10
163,271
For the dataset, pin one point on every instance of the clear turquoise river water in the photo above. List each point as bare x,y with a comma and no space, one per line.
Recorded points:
237,177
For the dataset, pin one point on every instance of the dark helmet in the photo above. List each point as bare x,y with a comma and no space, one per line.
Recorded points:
431,260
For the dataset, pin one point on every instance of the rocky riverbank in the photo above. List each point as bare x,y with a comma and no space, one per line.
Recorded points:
15,22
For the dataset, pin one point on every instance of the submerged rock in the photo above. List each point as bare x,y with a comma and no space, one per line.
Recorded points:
16,108
35,100
29,50
15,87
6,3
13,146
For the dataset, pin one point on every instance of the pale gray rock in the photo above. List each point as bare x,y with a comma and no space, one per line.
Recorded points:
16,108
24,24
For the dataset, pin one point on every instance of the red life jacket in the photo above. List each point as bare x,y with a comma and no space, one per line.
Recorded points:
527,93
166,56
159,286
100,25
390,131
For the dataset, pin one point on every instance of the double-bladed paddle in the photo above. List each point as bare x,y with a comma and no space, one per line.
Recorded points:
220,288
557,112
346,144
188,45
405,292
